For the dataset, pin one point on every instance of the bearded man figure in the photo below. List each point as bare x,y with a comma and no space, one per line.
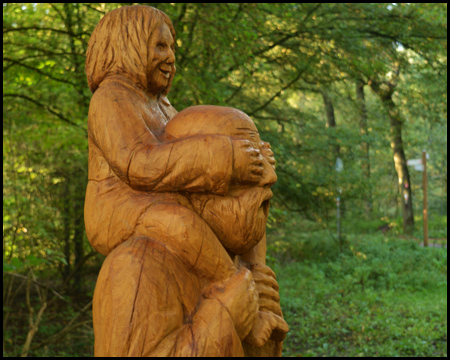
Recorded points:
172,283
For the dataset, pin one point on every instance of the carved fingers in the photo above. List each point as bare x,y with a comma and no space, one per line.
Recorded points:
267,326
280,330
267,287
263,274
262,330
248,165
270,319
261,269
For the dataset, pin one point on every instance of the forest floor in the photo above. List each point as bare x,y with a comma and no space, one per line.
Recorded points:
383,295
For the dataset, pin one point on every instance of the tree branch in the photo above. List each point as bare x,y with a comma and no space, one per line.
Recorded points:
300,73
46,51
45,107
36,28
69,327
78,266
16,62
93,8
57,294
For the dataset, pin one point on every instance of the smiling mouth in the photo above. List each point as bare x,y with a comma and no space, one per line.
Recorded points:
166,73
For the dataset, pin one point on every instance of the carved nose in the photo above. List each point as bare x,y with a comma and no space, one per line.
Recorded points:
171,57
269,177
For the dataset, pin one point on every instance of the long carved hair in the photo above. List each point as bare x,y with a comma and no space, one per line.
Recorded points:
119,45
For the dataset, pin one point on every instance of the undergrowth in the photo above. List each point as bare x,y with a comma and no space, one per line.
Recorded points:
381,296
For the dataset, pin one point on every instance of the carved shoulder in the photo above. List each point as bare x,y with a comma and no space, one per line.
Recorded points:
116,96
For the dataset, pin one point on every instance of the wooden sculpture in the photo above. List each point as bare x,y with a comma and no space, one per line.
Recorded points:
178,203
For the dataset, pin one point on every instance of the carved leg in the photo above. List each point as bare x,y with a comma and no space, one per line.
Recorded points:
189,238
134,291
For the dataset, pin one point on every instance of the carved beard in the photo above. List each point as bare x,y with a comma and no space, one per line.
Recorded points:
239,221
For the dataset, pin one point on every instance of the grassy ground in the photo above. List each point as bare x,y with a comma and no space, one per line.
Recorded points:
381,296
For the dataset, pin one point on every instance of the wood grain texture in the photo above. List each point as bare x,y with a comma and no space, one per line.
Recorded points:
178,202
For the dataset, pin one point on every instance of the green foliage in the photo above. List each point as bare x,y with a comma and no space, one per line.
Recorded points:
381,297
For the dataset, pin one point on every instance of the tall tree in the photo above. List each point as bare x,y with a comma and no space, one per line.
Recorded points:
363,130
385,90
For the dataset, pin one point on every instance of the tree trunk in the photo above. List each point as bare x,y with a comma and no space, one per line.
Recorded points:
364,145
336,150
78,234
73,21
331,120
385,91
400,164
65,196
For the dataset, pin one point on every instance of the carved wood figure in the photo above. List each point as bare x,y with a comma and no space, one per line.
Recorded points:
178,202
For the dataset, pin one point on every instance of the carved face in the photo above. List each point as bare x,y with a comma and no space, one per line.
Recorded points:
239,219
161,59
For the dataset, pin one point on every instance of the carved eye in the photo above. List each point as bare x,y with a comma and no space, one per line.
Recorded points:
161,46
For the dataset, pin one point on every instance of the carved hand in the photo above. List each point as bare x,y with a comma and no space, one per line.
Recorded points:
270,323
247,162
238,295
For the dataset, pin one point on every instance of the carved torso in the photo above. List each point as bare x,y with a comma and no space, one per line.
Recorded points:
154,115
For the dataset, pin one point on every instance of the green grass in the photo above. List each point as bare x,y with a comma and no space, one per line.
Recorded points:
369,323
382,296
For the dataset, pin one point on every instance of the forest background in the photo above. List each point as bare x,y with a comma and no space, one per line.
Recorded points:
366,83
